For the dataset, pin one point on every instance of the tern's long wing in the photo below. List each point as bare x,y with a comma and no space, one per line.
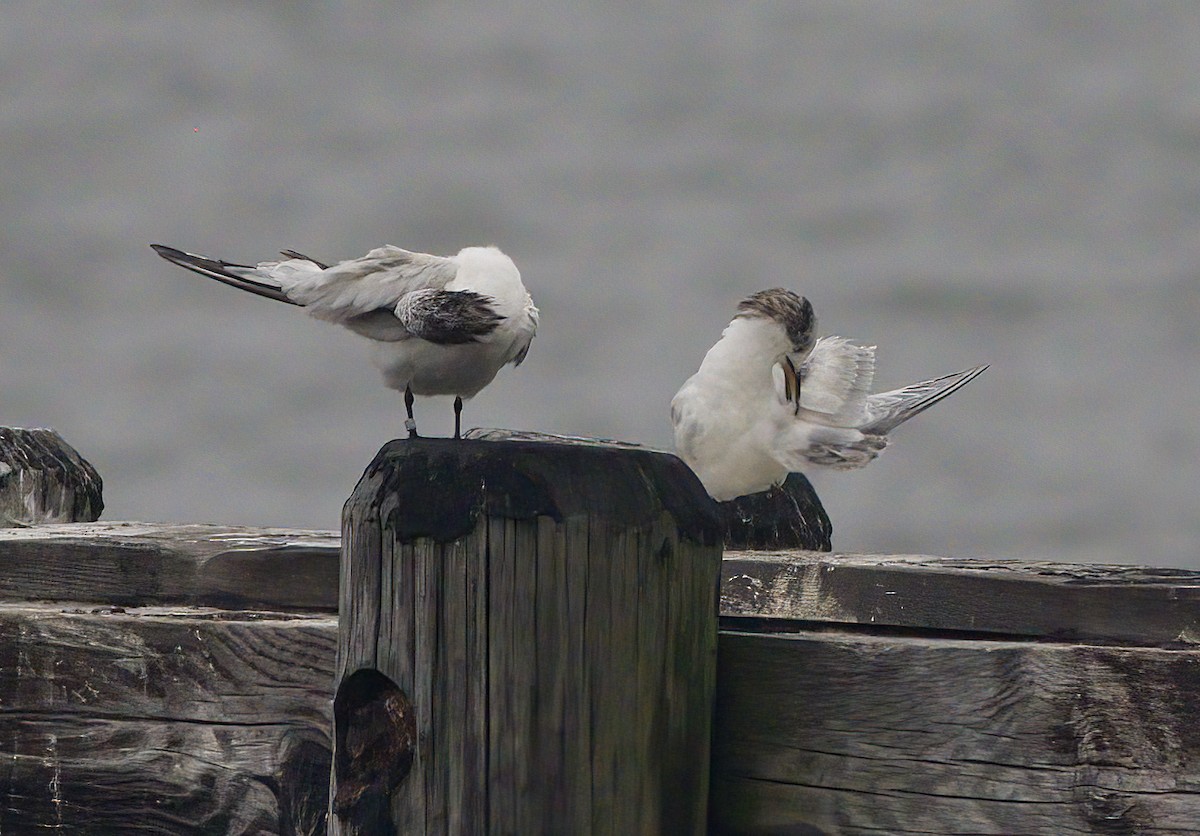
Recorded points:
362,286
888,410
241,276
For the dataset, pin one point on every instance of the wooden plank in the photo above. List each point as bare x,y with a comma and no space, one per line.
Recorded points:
144,564
426,782
501,759
473,764
599,711
400,628
862,734
1083,602
453,672
135,564
163,720
696,650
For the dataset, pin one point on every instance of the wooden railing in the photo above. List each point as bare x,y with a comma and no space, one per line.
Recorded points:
181,679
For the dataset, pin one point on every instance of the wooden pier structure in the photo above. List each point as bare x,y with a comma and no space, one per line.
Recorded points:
526,645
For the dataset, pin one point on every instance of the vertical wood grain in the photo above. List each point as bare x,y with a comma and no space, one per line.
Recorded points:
533,624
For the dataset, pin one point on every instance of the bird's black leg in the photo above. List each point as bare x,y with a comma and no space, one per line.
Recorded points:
411,423
457,416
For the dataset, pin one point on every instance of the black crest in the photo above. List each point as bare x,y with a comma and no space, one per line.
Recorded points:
791,310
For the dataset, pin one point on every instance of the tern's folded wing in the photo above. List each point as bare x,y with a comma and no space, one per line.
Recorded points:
841,448
361,286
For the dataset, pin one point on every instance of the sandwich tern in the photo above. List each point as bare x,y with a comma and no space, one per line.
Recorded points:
440,325
769,399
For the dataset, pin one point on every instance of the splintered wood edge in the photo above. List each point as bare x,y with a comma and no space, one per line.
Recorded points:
195,538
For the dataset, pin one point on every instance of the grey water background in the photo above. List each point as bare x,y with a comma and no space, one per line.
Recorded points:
1016,183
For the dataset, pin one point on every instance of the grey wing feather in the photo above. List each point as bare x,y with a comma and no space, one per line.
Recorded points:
381,324
380,279
836,378
519,357
888,410
241,276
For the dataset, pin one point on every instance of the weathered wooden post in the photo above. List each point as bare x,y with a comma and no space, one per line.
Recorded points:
43,480
789,516
527,641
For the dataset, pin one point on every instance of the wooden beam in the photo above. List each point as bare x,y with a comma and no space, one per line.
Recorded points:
140,564
835,732
1063,601
165,720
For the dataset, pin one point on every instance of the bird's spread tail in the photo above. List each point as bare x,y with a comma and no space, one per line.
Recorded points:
240,276
889,410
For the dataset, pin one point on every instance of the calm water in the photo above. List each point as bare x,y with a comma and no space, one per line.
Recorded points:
1013,183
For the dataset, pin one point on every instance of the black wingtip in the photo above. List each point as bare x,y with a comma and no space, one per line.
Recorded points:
165,251
215,269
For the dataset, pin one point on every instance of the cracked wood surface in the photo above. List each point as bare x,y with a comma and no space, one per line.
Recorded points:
164,720
849,733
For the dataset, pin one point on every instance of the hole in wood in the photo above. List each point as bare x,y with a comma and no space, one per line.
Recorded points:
376,731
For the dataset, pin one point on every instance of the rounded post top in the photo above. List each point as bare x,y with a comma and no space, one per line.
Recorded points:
439,487
43,479
788,516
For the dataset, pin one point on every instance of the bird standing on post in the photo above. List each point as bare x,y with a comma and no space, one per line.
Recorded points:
440,325
770,399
